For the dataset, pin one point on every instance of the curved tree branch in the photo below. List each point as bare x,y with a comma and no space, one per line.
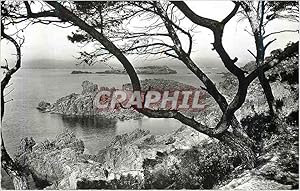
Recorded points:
278,32
232,13
19,179
217,28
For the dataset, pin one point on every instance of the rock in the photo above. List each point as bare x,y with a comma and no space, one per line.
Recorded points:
125,139
249,182
80,72
67,139
82,105
26,145
89,87
59,163
44,106
112,71
123,155
140,158
126,153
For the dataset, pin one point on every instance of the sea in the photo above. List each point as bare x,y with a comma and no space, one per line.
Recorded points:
30,86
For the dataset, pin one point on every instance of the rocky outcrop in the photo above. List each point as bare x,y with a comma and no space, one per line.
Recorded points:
182,159
44,106
58,163
80,72
83,104
252,182
127,153
61,164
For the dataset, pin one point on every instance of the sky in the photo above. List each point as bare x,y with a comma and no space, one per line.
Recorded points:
48,43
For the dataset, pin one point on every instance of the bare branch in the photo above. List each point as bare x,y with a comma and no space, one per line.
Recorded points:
251,53
248,32
148,45
9,100
268,44
9,92
277,32
171,55
9,85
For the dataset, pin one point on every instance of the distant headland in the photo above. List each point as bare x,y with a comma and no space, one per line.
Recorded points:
139,70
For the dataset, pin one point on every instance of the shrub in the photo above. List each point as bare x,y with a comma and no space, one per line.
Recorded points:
199,168
258,128
124,182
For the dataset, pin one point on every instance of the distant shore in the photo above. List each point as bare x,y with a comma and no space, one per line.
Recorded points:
139,70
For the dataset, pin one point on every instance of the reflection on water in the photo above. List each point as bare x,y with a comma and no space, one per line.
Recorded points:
96,132
90,122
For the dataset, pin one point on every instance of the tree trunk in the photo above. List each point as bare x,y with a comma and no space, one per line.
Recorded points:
268,92
237,144
266,85
260,59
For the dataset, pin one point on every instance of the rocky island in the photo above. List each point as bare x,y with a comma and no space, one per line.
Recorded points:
139,70
80,72
81,104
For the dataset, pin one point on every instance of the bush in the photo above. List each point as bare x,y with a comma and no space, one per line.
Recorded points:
199,168
258,128
124,182
289,161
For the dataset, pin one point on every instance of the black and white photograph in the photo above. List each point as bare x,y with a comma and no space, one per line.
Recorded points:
149,95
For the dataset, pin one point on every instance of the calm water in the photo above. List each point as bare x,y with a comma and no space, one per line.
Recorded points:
31,86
